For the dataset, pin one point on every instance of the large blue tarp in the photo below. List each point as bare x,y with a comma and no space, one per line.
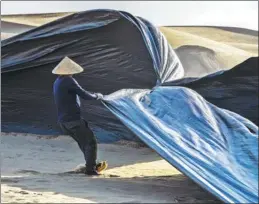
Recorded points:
215,147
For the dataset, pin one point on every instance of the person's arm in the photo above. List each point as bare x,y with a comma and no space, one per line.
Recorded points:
76,88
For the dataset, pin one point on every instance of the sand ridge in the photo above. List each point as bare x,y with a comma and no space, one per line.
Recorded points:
226,54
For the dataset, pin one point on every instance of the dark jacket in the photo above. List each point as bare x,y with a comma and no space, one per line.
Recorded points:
66,91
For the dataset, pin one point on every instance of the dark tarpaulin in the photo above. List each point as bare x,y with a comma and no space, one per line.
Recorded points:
110,59
215,147
235,89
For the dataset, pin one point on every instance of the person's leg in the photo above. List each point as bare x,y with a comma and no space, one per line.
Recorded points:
71,130
85,139
89,145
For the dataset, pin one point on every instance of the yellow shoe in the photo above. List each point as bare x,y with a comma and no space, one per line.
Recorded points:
101,166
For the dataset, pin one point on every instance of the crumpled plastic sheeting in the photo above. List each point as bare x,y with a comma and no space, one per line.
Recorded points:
166,63
215,147
235,89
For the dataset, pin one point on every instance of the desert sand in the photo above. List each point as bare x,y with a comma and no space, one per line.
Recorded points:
33,19
230,48
35,170
7,35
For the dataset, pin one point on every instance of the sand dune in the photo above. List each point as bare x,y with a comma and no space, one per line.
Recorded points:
239,30
218,34
227,55
252,48
35,172
7,35
11,29
33,19
198,61
238,40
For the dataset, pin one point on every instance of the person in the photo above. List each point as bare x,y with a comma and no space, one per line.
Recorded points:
66,95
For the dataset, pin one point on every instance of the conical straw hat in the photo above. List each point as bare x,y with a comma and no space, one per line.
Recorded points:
67,67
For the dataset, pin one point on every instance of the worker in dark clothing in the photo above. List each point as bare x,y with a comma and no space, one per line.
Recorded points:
66,94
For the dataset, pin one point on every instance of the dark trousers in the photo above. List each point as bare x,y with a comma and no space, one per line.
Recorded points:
85,138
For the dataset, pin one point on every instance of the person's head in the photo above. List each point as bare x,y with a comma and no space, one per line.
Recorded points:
67,67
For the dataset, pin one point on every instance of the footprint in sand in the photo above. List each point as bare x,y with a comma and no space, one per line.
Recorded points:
23,192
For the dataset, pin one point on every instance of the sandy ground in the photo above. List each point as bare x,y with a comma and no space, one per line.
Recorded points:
34,169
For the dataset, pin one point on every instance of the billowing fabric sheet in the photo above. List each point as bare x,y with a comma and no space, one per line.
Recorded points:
147,90
216,148
235,89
